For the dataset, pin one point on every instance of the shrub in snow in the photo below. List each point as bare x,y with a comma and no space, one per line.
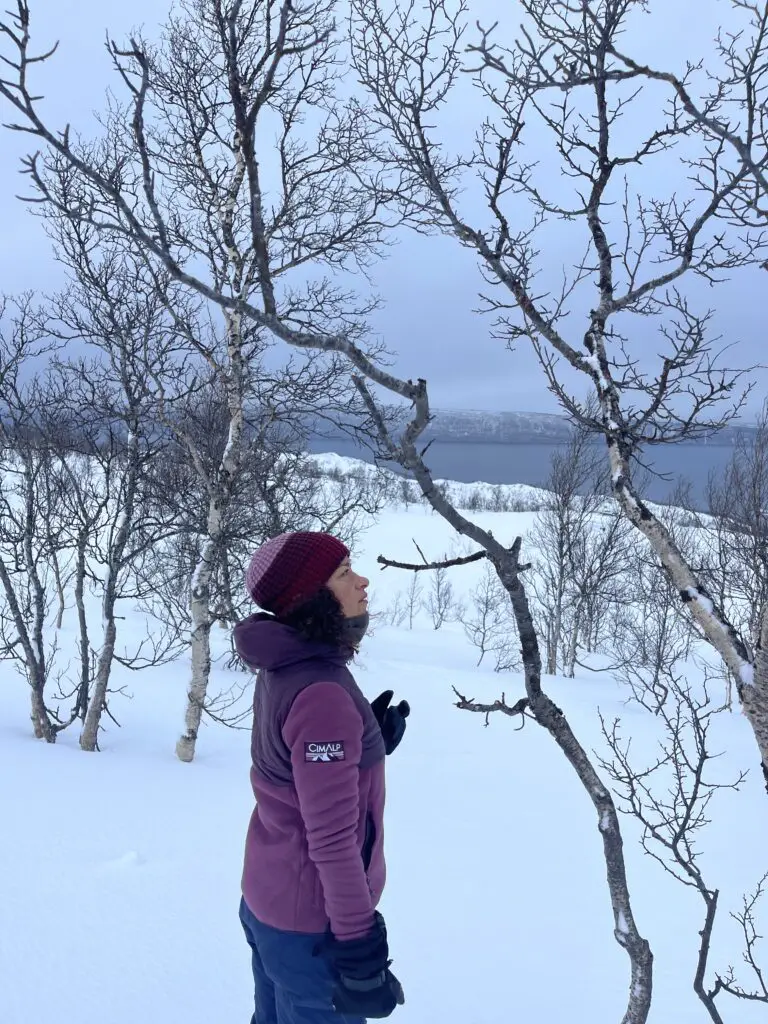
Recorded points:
413,600
396,613
489,624
670,796
441,602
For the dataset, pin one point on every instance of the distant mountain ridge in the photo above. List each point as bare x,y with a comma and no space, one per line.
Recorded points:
475,426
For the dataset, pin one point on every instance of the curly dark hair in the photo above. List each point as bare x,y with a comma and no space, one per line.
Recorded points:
320,619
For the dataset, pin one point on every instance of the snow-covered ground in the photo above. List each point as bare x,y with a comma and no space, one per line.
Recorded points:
119,871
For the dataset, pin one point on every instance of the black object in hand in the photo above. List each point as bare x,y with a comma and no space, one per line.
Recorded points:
391,720
365,986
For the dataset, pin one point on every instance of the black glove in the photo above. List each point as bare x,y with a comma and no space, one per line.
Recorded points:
365,986
391,720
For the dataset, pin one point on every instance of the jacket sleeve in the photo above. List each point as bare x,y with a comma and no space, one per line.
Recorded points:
324,732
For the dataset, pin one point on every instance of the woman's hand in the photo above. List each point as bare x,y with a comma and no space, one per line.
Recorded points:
365,986
391,720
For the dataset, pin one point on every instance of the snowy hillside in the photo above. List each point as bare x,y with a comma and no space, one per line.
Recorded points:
476,495
120,871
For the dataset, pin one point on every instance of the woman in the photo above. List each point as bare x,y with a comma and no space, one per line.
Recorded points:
314,861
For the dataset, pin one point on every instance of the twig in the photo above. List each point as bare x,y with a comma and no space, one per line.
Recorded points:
519,708
387,563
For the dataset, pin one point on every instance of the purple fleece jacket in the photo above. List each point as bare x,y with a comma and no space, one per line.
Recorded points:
314,851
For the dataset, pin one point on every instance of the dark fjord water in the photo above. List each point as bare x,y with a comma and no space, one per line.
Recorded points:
529,463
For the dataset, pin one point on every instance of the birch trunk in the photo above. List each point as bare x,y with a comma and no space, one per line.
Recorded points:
36,665
751,676
551,647
89,738
557,630
34,662
755,697
84,689
37,669
41,723
59,590
228,604
115,555
200,608
49,499
569,668
200,591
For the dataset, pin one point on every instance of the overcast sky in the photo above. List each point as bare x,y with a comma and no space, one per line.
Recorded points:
429,284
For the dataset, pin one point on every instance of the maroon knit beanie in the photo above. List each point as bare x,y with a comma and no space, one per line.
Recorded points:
291,568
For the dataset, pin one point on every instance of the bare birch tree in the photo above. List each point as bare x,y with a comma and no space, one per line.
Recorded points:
29,541
489,624
737,563
55,504
651,636
113,306
414,600
730,109
730,112
560,76
671,799
598,585
76,510
580,548
440,600
184,174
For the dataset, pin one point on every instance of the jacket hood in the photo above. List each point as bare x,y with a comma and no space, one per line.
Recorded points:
264,643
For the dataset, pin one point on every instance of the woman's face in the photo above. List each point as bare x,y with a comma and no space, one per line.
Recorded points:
349,589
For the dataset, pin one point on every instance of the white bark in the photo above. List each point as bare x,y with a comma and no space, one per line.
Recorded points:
755,697
751,676
85,508
200,645
34,661
59,590
553,646
220,495
30,622
569,664
82,621
90,734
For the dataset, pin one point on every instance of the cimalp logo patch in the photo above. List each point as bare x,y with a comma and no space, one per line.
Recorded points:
324,751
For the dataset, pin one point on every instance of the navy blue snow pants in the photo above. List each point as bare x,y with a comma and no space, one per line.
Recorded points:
291,986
